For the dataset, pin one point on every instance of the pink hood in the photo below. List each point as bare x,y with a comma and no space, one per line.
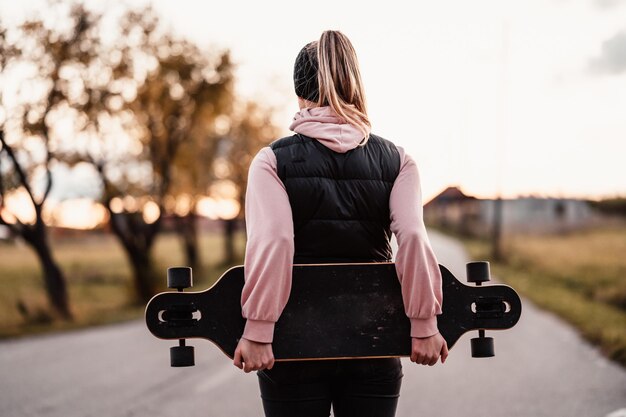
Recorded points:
323,124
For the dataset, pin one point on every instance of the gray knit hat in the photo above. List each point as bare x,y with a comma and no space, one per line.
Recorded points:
305,74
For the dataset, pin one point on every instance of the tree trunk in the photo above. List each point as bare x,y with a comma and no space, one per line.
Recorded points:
188,231
229,241
54,280
137,239
143,273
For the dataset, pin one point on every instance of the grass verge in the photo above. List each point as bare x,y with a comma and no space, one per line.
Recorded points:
98,277
579,276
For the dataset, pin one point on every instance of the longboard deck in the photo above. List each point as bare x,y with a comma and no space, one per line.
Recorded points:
335,311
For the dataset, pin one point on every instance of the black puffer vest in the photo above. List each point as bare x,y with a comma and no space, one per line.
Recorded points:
339,201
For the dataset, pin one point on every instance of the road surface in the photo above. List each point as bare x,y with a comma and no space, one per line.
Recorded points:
541,368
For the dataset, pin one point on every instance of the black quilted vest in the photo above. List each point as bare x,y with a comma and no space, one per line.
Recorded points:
339,201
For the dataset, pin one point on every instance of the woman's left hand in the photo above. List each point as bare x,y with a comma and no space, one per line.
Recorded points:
253,356
427,350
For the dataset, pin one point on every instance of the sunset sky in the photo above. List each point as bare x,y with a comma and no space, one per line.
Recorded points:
524,97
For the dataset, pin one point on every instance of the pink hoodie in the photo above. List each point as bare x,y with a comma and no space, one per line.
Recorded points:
270,247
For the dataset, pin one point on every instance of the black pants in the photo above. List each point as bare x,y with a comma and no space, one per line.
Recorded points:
354,387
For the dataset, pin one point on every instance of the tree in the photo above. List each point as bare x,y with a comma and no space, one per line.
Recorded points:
34,234
149,111
173,104
27,136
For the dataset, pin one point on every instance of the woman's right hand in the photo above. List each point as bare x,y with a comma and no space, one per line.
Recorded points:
253,356
427,350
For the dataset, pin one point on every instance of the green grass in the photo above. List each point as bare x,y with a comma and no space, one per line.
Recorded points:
579,276
98,277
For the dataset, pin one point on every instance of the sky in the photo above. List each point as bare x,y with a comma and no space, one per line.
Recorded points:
498,97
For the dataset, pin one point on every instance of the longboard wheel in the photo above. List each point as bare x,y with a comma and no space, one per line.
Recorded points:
478,272
482,347
182,356
179,277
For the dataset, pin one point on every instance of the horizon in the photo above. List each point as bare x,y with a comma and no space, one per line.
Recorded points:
80,213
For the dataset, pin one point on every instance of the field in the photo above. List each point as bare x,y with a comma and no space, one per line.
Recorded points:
98,276
579,276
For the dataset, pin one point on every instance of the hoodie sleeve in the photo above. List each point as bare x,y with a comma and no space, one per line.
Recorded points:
269,250
416,265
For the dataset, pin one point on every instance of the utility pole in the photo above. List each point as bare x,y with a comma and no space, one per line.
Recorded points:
497,252
496,230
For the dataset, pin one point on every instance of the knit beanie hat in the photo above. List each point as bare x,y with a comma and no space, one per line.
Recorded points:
305,74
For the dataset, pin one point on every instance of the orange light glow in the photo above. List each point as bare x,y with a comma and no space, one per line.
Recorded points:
183,205
228,209
207,207
224,189
18,206
218,208
130,204
80,213
151,212
117,205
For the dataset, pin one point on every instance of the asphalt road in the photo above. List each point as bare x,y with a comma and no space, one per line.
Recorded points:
541,368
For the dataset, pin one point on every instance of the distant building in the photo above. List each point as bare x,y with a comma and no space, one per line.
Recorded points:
456,211
453,210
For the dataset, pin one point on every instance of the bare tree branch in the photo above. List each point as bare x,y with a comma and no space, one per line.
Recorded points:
18,168
13,227
48,179
48,156
2,193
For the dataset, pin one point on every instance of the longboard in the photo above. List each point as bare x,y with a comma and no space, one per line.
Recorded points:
335,311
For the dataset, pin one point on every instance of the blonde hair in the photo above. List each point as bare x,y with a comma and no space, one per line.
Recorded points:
339,80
